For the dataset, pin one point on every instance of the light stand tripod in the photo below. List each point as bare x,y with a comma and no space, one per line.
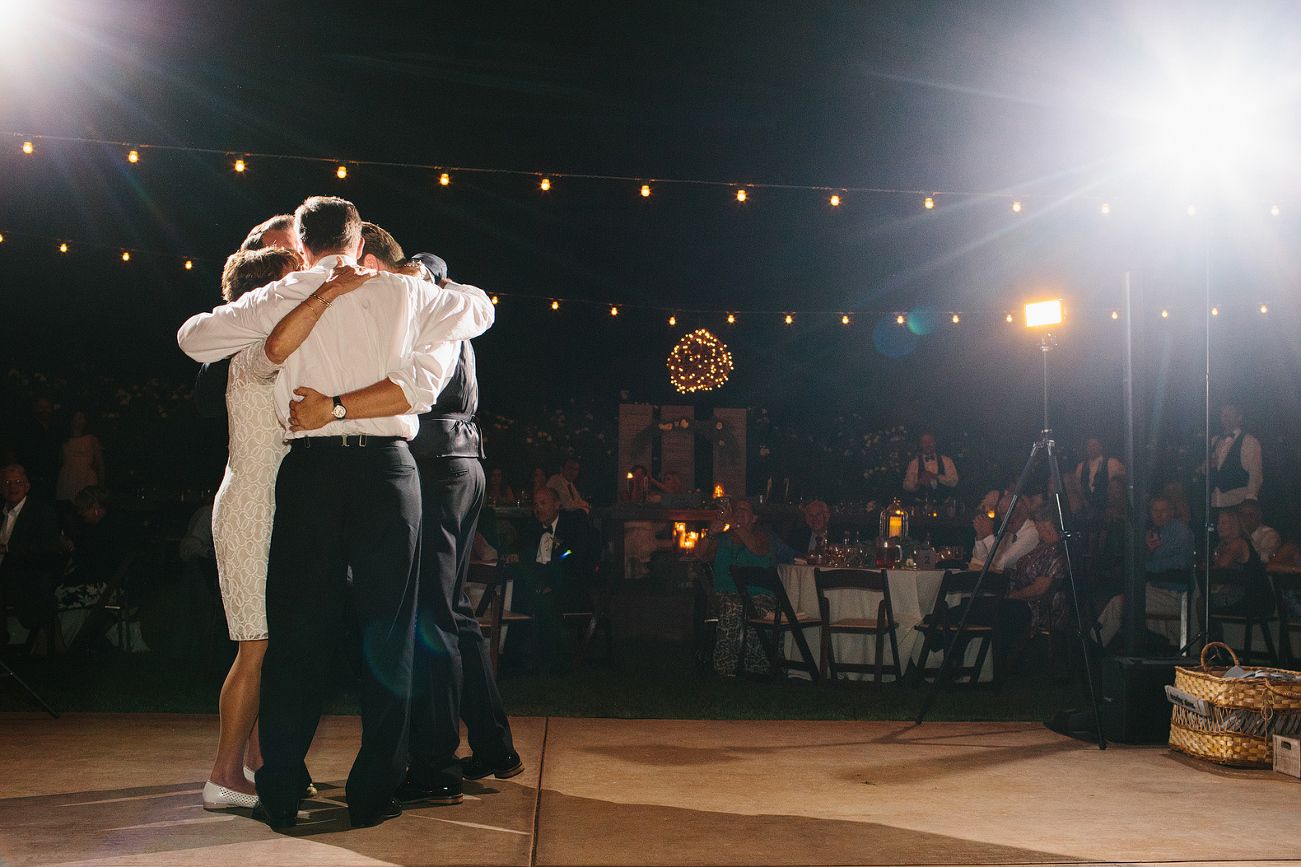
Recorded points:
1047,445
6,671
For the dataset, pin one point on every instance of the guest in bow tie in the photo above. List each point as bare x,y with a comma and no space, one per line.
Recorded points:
930,469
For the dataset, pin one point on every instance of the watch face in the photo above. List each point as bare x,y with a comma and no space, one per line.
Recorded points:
338,411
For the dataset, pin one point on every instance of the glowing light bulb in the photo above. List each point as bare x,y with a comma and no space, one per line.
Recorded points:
1016,207
1009,317
835,201
898,320
956,320
239,165
546,184
555,305
740,195
1215,311
789,319
930,203
494,299
731,319
341,171
1192,210
1106,209
2,239
673,320
645,190
1264,309
614,311
1274,210
27,147
189,266
1165,314
1115,314
126,256
844,320
133,157
63,248
444,179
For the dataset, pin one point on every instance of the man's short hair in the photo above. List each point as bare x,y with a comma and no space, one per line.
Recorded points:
1160,498
327,224
14,468
278,223
92,496
383,246
250,269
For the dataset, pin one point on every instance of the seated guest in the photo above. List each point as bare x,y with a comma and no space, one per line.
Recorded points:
1036,590
1174,492
1021,537
1235,554
1167,566
1264,539
1287,560
198,553
811,536
498,492
554,570
563,484
29,559
743,543
929,469
98,542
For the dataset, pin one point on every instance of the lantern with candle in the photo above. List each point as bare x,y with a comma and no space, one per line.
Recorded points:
894,521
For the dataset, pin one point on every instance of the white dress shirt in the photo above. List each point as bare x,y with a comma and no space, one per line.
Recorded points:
547,542
1014,547
7,528
391,327
1088,471
568,495
1250,462
948,478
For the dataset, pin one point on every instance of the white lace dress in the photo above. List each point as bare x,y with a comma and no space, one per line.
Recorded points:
245,503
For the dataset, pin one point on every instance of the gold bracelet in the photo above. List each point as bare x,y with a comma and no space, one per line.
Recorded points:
319,298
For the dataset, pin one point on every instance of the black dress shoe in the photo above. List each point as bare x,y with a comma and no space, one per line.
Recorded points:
392,811
276,820
475,768
443,792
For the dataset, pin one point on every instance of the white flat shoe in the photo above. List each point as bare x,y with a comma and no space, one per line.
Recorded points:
217,797
249,775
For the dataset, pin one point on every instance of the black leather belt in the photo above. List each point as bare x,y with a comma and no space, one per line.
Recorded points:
344,441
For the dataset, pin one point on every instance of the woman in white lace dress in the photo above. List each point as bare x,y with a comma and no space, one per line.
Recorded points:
244,507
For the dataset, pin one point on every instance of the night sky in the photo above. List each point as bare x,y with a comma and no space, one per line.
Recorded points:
977,104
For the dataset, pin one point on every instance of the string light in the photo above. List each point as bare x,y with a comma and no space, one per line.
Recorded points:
844,319
63,248
555,305
1165,314
1106,209
1274,210
1016,207
126,256
700,362
1009,317
673,320
898,320
956,320
645,190
789,319
342,172
1192,210
27,147
444,179
731,319
1264,309
2,238
133,157
614,311
189,266
930,203
239,165
494,299
1115,314
835,201
740,195
546,184
1215,311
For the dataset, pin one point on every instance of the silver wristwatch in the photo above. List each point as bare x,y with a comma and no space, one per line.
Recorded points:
339,410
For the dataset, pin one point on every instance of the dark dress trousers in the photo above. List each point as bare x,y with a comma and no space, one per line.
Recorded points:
29,572
546,590
453,677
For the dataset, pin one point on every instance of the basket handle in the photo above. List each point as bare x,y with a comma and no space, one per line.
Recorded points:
1217,644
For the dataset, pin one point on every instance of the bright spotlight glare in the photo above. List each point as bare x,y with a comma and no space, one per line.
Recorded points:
1043,313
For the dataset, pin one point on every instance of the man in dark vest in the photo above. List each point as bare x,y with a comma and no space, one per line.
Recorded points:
1236,473
453,677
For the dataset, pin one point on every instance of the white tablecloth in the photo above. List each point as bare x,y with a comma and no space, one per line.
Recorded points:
912,596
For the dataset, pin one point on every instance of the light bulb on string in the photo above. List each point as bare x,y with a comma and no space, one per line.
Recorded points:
27,147
673,320
1115,314
740,195
189,266
956,320
1106,209
1016,207
342,172
899,320
126,255
1215,311
645,190
789,319
835,201
614,311
731,319
1009,317
2,238
1264,309
1192,210
1165,314
133,157
844,319
63,248
555,305
1274,210
494,299
444,179
239,165
929,203
546,184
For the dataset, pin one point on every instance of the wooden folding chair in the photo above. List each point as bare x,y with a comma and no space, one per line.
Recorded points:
1252,613
1287,586
491,611
771,628
883,626
939,627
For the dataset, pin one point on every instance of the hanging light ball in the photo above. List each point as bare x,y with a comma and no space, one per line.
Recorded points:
699,362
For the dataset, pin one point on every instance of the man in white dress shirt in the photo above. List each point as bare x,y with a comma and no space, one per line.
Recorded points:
1021,537
1236,473
930,469
1265,540
563,484
347,499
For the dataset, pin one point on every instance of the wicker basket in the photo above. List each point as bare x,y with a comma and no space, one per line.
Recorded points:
1245,713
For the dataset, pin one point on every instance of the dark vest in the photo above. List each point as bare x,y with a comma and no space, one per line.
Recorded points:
448,430
1231,475
1101,484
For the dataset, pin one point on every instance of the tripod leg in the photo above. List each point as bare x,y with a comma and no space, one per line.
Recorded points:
1075,592
9,672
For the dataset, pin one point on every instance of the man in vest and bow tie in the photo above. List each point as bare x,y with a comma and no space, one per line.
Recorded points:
930,469
1236,473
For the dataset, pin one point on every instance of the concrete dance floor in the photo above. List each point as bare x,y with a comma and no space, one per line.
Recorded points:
125,790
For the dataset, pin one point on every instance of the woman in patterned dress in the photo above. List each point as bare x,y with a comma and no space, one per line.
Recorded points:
243,509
